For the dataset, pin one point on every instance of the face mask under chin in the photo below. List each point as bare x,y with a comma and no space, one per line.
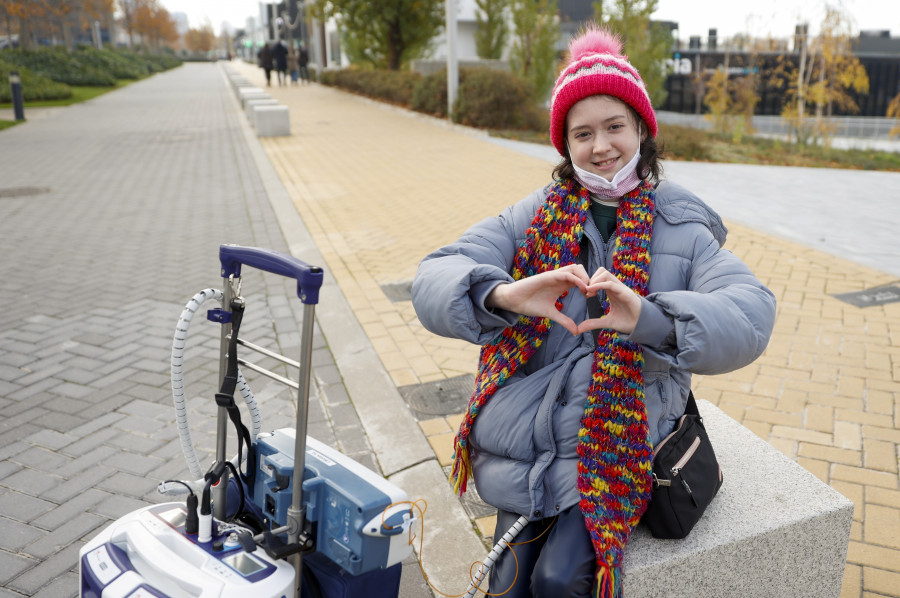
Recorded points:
625,180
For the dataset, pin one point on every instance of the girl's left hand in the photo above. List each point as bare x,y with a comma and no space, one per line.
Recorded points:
624,304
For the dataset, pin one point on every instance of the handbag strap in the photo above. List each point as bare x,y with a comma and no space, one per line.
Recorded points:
691,407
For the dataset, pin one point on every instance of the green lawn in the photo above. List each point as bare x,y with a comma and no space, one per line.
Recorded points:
79,94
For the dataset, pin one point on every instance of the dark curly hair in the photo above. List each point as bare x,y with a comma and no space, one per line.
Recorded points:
648,166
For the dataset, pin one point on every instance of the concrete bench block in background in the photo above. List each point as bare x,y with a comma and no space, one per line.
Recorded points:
253,103
237,82
272,121
773,531
251,93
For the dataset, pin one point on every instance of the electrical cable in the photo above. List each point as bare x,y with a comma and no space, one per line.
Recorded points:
240,485
492,557
185,484
178,397
486,565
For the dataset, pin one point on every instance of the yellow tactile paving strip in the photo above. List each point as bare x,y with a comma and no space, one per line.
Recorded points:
378,188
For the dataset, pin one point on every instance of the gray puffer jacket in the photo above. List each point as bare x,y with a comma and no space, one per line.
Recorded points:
706,313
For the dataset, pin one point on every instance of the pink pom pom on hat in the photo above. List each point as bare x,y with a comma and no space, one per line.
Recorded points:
597,66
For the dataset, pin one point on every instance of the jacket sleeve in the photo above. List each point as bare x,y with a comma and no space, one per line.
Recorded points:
721,322
452,283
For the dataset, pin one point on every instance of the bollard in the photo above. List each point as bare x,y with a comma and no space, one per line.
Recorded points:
15,86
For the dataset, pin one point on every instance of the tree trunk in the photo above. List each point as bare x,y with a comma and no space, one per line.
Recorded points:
26,42
801,91
67,34
395,46
95,34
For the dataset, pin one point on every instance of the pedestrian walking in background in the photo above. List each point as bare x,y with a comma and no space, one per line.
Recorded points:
594,299
303,62
279,53
265,62
293,65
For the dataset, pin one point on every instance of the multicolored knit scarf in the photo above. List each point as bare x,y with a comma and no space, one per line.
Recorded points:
615,454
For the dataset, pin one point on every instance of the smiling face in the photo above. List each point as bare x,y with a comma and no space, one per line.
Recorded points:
602,134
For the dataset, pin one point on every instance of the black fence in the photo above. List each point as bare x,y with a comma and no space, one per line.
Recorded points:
685,89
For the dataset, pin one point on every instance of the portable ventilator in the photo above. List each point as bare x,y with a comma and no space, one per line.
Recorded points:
284,497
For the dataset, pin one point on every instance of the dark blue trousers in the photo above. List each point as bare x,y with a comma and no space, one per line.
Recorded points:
558,564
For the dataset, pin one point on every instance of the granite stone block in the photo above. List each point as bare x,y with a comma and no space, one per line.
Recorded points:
272,121
773,530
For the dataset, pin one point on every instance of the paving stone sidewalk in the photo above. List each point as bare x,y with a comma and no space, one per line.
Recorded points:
111,216
378,187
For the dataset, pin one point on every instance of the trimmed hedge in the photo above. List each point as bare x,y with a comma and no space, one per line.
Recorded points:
491,99
396,87
487,98
34,86
685,143
120,65
57,64
157,62
88,66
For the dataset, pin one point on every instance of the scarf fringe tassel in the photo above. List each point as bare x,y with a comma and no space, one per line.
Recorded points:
608,583
462,468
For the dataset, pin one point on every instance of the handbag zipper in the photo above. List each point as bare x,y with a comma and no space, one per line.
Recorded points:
658,448
676,469
680,465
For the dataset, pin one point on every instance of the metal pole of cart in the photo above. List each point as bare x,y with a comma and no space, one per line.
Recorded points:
296,512
220,490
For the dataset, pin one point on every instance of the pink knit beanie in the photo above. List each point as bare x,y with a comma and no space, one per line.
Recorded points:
596,66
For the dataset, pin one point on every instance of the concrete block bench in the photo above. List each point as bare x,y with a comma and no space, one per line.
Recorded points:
253,103
251,93
271,121
774,530
238,81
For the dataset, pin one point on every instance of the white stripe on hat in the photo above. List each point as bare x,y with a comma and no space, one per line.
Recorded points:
594,66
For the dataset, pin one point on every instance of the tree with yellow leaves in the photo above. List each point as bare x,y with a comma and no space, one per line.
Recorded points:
200,41
839,71
154,24
95,11
826,75
893,111
26,13
54,19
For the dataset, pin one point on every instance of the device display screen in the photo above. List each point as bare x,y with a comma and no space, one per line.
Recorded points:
174,517
243,563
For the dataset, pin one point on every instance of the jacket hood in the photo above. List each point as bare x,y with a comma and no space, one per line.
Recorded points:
677,205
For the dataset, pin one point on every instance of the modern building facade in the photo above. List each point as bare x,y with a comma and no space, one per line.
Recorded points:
878,52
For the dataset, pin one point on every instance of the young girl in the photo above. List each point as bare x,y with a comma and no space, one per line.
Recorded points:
595,299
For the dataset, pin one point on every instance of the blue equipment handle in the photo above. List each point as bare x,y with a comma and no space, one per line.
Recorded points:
309,278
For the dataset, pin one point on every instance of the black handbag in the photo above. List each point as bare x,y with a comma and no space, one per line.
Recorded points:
686,477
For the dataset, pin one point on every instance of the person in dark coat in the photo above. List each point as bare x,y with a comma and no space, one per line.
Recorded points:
303,62
279,53
265,62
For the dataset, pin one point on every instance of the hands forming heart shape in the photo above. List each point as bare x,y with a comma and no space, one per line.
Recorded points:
537,295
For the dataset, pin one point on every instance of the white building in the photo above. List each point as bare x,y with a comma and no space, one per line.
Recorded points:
572,14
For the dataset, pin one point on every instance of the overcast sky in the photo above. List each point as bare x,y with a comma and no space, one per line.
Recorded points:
760,18
695,17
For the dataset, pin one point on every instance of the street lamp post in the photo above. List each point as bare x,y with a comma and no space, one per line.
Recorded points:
15,88
452,62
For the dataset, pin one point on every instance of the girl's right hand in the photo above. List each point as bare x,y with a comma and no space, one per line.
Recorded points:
536,295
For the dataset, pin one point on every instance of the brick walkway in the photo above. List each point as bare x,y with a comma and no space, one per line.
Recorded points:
379,187
111,216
